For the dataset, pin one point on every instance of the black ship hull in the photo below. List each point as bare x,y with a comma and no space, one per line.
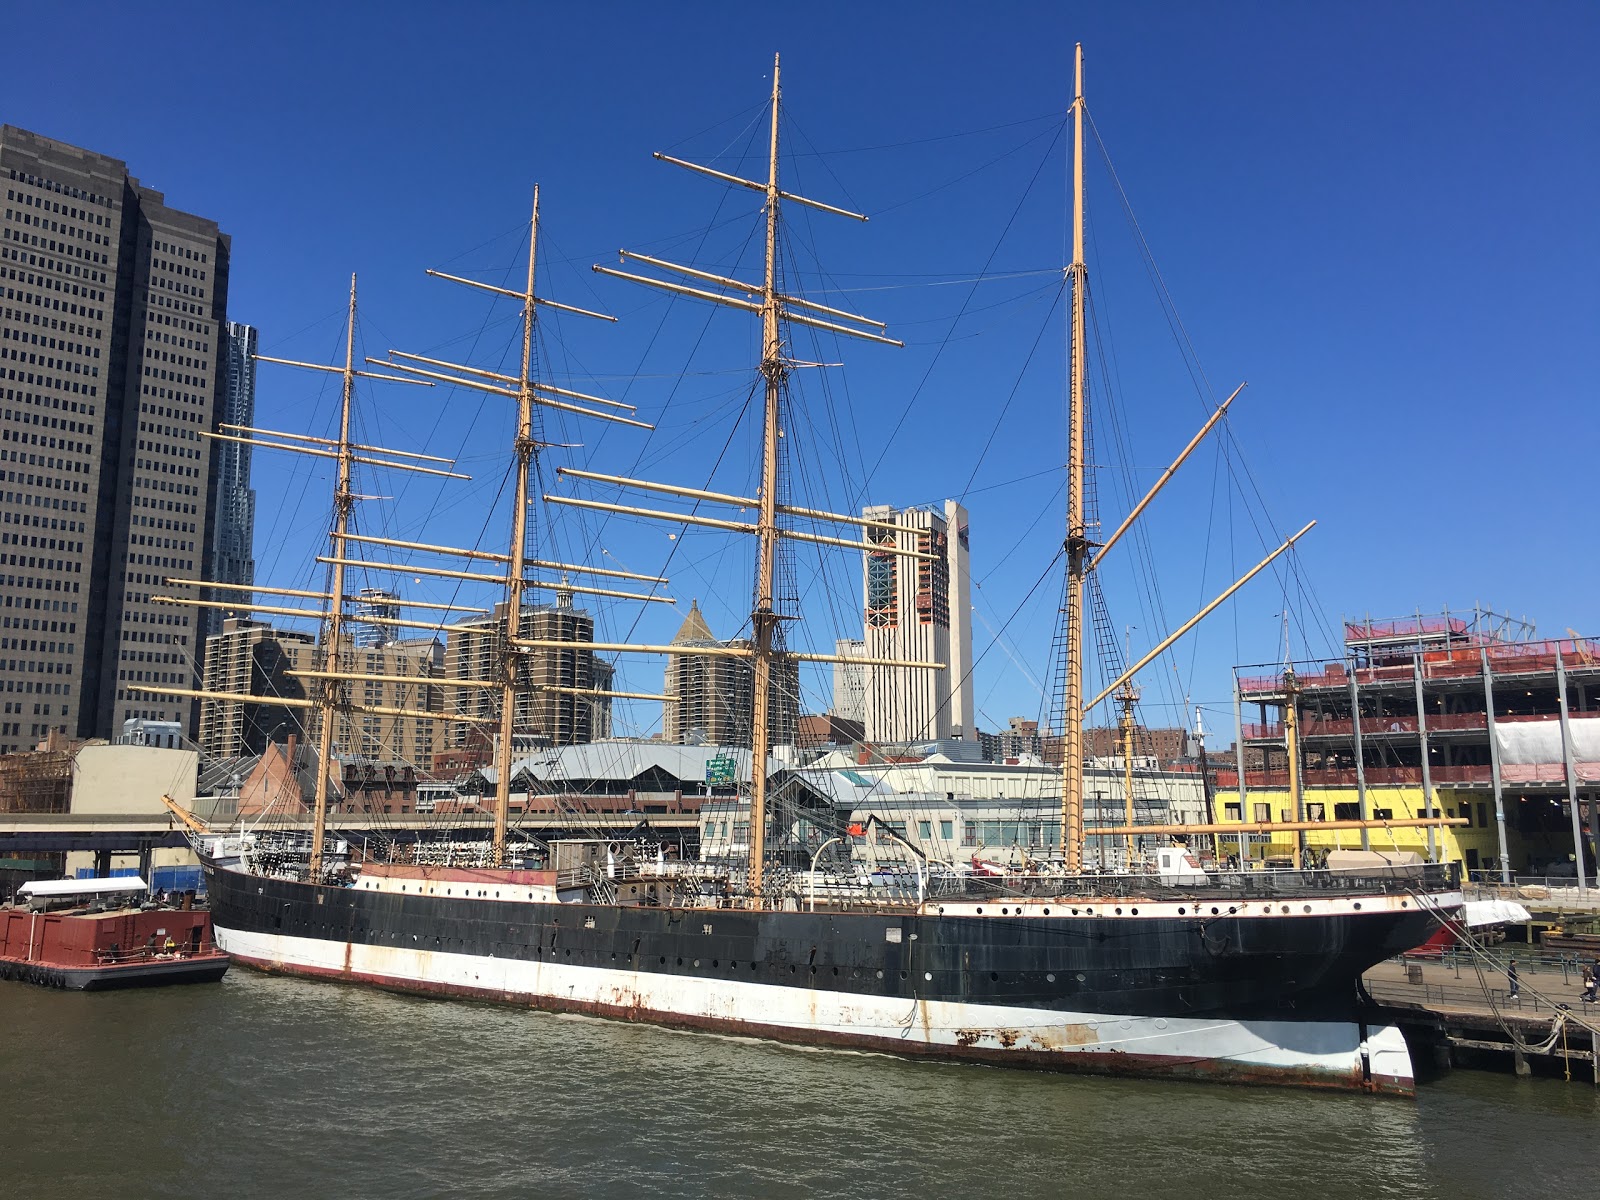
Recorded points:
1171,990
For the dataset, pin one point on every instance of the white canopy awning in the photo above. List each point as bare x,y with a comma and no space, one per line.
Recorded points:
83,887
1494,912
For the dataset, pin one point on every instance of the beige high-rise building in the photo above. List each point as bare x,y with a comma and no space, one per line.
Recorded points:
920,610
715,696
251,657
112,307
547,718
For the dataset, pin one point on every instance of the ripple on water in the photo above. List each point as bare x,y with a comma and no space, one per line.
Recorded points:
267,1087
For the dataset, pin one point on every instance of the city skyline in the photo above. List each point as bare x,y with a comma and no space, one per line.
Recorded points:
1321,246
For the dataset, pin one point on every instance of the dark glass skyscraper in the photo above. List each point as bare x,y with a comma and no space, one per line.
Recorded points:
233,546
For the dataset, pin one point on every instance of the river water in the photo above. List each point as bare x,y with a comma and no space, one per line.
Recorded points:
269,1087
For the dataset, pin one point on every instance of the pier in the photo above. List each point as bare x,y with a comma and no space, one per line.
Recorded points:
1461,1009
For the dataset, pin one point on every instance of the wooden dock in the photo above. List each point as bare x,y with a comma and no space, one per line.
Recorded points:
1471,1020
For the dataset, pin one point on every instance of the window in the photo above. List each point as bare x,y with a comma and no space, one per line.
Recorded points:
947,830
1347,812
1383,814
925,830
1315,812
1230,812
1263,812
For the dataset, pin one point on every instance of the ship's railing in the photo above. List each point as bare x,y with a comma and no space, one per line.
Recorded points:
148,954
1224,885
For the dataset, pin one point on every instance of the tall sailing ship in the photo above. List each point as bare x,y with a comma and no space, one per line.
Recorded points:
1247,976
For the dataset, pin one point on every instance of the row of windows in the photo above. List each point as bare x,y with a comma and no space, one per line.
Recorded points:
46,322
39,300
56,226
180,251
29,259
63,189
44,242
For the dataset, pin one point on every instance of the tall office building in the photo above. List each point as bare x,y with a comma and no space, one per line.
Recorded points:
850,681
232,549
250,658
253,658
543,716
111,328
919,610
714,696
374,607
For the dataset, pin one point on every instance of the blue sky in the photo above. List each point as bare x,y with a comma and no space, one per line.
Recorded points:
1381,216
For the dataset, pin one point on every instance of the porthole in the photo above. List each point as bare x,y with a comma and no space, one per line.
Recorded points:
713,964
1136,912
1232,909
980,908
1358,905
928,975
1119,912
791,968
1047,912
836,970
1050,978
680,962
1215,910
1285,908
1074,912
1405,904
1307,908
1081,978
697,963
880,974
994,976
905,974
1181,910
663,960
1005,912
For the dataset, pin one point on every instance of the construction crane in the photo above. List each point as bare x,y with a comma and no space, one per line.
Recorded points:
1580,647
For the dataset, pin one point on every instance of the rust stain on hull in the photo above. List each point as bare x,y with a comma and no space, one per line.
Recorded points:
626,1005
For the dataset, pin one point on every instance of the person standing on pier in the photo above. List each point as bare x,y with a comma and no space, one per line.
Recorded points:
1511,978
1588,985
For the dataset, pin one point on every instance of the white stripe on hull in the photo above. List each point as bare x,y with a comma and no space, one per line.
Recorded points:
1308,1053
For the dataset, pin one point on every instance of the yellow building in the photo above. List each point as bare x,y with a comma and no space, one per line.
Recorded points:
1473,845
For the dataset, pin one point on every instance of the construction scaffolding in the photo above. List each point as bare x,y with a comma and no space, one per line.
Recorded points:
36,782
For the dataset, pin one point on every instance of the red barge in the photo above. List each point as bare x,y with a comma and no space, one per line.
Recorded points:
98,934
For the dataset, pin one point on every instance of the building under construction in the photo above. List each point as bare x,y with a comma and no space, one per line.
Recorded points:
1459,715
40,781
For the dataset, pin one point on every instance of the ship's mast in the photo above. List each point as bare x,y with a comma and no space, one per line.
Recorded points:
1077,538
510,656
774,308
343,502
764,617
